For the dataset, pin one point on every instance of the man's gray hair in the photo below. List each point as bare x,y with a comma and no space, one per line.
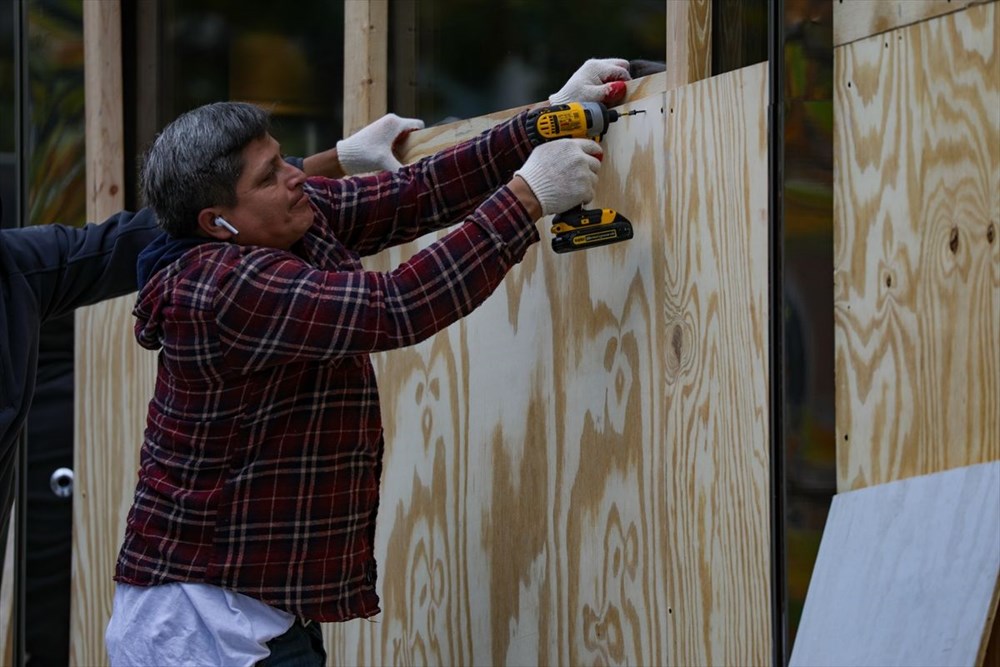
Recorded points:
196,160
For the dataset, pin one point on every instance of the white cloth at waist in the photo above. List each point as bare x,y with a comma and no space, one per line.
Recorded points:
190,624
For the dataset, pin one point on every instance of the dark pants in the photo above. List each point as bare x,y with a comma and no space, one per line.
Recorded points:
301,646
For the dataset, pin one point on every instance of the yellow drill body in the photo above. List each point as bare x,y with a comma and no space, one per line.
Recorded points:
580,228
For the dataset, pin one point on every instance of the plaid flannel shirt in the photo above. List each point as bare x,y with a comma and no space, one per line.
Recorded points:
262,454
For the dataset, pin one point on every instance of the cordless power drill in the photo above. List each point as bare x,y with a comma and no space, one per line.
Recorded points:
579,228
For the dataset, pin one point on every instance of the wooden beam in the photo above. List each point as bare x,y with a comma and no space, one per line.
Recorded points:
689,41
95,458
366,47
103,105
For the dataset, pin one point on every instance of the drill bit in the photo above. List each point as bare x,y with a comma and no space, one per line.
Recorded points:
615,115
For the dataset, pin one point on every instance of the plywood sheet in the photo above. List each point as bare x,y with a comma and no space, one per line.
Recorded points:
577,472
715,371
916,249
906,573
857,19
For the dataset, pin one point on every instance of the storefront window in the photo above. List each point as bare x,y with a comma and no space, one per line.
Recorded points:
454,59
288,59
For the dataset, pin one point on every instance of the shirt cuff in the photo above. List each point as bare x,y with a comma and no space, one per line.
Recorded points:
507,222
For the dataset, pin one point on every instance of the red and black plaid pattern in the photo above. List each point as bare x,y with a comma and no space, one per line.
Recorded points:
262,453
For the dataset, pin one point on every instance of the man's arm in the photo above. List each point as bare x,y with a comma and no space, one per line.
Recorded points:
325,163
275,308
370,213
68,267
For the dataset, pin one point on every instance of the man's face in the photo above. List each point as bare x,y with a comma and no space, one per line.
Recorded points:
271,207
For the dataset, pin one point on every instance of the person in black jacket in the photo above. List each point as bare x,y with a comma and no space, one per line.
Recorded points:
47,271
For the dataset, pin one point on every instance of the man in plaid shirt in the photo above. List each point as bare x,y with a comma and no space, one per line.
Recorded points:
254,513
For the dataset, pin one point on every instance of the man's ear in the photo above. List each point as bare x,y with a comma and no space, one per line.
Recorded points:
210,228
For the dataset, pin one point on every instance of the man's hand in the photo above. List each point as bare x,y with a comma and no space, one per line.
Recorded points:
371,148
562,173
596,81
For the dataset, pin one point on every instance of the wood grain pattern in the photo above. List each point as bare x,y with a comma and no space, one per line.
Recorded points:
916,253
114,382
689,41
366,47
577,472
107,414
103,105
716,371
907,573
858,19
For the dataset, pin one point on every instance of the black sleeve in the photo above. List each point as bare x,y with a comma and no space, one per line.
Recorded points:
68,267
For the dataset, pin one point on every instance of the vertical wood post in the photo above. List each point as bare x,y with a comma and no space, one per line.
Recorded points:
689,41
102,46
366,47
95,458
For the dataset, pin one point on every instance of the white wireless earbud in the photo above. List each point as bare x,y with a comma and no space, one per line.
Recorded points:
222,222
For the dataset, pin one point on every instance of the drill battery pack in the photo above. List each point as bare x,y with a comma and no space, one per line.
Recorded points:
580,229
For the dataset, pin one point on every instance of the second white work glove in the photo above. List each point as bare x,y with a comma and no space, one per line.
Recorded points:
371,148
597,80
562,173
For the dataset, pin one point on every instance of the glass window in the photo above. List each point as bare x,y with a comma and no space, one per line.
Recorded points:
288,59
451,59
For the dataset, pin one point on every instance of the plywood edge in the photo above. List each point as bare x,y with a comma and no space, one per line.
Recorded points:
854,20
428,141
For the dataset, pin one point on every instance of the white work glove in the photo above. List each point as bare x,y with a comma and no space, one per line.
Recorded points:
596,81
562,173
370,148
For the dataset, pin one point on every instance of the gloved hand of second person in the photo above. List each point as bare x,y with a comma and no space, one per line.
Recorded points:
597,80
371,148
562,173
